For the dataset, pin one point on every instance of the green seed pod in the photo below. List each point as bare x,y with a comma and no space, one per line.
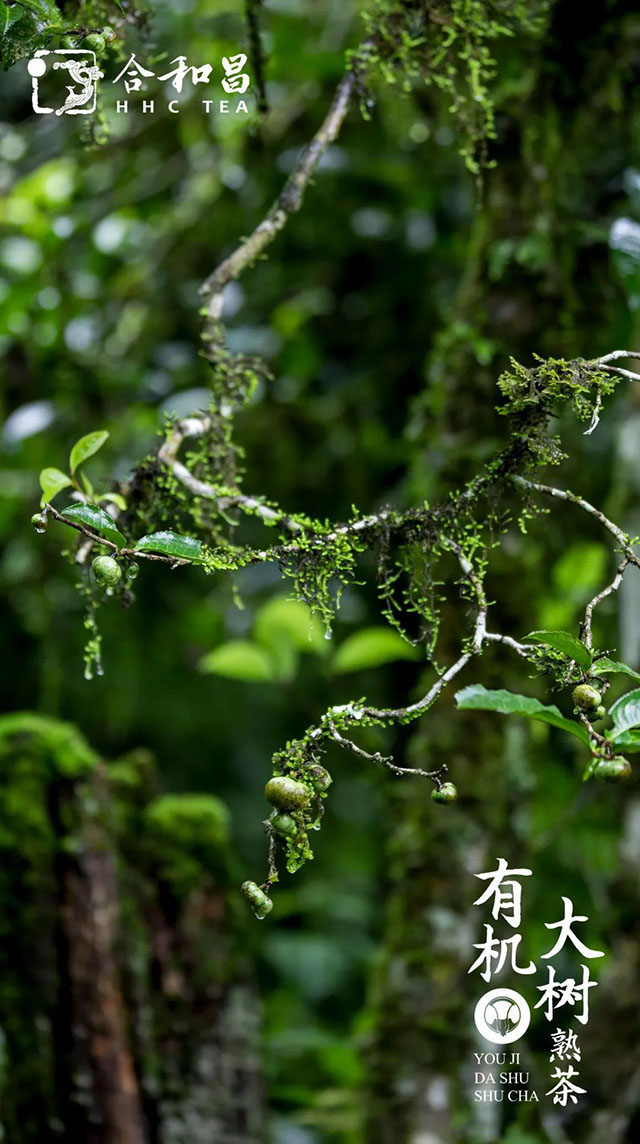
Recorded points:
600,712
319,777
614,770
260,903
39,522
107,32
283,824
253,893
285,793
586,697
107,571
264,909
94,43
446,793
68,42
132,570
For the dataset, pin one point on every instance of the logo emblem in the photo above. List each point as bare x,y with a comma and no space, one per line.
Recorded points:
502,1016
64,82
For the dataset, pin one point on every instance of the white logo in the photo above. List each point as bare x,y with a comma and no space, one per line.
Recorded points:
502,1016
236,80
50,72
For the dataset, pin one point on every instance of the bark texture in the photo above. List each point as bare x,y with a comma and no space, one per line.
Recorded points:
124,1006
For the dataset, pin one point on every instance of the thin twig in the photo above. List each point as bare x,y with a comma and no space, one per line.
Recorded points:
376,757
356,712
595,419
615,355
478,589
594,736
587,636
519,648
289,201
168,455
96,538
572,498
253,506
623,372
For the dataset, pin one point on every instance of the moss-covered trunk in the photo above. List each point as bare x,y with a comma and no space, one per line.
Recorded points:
124,1006
96,1082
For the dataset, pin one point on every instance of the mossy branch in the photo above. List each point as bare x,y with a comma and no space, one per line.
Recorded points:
203,486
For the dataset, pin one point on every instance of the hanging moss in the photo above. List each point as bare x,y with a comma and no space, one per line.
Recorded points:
451,47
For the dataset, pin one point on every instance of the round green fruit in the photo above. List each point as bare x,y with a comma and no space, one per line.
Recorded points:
320,777
446,793
107,571
600,712
132,570
93,42
283,824
68,42
39,522
286,793
614,770
586,697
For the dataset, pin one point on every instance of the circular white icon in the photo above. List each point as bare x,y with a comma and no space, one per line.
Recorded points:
36,67
502,1016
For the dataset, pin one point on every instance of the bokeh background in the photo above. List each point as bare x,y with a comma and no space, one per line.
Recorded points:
386,311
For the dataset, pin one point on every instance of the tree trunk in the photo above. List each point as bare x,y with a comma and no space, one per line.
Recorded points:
97,1082
124,1003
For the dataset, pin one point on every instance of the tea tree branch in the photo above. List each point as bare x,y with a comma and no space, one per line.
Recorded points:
587,634
253,506
94,538
624,541
508,641
616,355
288,202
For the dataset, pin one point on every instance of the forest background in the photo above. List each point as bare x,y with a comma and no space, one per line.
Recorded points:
386,311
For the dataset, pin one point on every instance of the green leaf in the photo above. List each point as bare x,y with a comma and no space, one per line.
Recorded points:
292,620
96,519
284,660
52,481
86,447
114,498
625,713
565,643
478,698
239,659
27,25
627,740
171,544
88,487
45,10
372,647
606,666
